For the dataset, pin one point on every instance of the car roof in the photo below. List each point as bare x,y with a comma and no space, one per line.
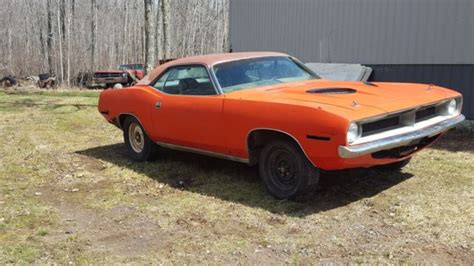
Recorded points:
212,59
209,60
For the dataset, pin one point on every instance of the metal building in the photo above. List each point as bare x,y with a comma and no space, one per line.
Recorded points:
426,41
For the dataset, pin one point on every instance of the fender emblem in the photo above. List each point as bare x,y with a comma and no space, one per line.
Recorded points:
355,104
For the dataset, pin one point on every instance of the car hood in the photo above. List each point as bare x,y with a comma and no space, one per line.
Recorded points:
355,99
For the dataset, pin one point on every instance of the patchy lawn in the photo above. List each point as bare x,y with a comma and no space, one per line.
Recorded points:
68,193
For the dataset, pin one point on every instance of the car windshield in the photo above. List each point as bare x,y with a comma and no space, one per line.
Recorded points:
131,66
262,71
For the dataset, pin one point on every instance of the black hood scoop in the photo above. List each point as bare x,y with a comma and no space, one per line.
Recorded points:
332,91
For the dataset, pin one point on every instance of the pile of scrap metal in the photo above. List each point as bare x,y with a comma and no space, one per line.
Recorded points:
344,72
44,81
7,78
8,81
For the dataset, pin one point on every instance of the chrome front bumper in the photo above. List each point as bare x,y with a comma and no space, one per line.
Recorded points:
112,80
387,143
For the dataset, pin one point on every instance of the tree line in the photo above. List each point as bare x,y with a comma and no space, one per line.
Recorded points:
72,37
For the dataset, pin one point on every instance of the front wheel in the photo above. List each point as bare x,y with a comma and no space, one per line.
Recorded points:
286,172
139,146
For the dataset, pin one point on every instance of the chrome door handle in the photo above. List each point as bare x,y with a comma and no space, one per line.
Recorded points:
157,105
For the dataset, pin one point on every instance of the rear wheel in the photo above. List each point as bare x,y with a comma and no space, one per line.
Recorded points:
286,172
396,166
139,146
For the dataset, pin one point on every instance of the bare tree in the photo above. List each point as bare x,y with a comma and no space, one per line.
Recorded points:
149,28
165,18
70,37
125,31
49,40
93,32
60,42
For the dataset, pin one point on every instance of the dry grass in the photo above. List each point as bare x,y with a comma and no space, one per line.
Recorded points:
68,194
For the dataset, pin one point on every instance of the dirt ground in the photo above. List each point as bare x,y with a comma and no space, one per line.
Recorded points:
69,194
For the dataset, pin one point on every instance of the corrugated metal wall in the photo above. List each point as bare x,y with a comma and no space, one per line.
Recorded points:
355,31
404,40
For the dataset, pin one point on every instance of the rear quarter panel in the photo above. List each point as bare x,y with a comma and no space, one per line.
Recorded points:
136,101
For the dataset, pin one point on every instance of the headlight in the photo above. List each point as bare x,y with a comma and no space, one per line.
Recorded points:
124,75
353,132
452,107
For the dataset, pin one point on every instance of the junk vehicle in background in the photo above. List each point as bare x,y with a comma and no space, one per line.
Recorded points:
125,75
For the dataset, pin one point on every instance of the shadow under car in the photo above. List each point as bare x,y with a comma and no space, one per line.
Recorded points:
239,183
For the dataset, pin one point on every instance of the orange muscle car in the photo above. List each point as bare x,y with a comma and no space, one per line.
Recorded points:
268,109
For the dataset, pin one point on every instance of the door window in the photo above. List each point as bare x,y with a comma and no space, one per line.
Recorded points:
185,80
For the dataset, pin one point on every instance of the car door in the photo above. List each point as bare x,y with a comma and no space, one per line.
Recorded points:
189,113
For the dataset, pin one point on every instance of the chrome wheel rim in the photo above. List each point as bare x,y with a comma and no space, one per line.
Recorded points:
136,137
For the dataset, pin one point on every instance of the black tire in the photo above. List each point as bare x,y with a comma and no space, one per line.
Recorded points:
8,81
286,172
129,81
142,147
44,76
396,166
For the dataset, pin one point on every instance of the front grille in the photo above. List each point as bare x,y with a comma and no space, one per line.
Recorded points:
380,125
425,114
107,75
406,118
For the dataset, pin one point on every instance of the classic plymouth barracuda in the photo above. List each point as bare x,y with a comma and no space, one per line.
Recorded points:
268,109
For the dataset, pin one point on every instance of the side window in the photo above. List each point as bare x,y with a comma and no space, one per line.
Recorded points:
185,80
161,81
